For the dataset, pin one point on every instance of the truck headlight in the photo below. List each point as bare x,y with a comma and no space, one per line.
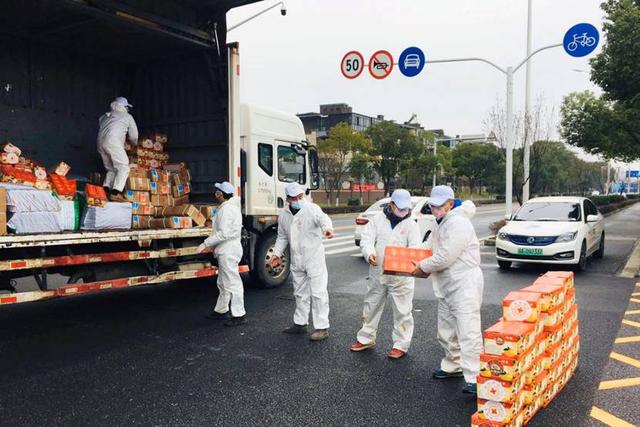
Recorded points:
503,236
566,237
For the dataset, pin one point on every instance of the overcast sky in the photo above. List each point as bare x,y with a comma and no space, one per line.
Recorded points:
292,63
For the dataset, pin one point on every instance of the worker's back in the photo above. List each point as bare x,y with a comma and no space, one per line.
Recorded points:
115,125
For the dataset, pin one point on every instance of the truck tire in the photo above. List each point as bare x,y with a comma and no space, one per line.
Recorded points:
262,272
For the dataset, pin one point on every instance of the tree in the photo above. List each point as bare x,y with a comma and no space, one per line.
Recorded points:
610,124
334,155
481,164
361,168
392,145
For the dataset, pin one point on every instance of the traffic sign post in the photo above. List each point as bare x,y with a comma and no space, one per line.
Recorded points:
381,64
411,61
581,40
352,64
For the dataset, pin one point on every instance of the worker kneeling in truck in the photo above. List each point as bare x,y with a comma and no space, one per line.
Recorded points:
114,128
225,244
301,227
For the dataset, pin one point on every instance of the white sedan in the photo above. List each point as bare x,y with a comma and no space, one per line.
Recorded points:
553,230
420,213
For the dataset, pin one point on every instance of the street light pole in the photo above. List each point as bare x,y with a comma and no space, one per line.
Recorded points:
435,152
527,111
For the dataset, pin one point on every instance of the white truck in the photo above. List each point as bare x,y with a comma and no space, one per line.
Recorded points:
66,59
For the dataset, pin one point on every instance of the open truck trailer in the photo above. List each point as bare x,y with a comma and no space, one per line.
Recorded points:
63,61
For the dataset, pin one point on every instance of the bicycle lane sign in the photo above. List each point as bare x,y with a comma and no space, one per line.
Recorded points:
381,64
581,40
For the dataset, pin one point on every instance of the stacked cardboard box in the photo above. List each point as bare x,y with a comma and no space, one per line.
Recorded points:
3,212
400,261
530,354
150,152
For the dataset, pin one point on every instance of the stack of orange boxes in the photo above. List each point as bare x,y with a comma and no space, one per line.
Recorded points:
530,354
150,152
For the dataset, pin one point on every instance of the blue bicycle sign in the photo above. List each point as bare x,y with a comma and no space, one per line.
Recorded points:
581,40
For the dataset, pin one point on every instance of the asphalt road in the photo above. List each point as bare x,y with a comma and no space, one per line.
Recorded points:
147,356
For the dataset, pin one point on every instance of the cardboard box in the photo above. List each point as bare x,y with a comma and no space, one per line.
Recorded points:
145,209
95,195
147,143
10,148
9,158
185,210
498,390
478,421
3,223
61,169
521,307
136,172
160,188
42,184
551,295
64,187
141,222
183,177
398,260
137,196
536,388
171,222
175,167
505,368
184,200
40,173
553,316
566,276
180,190
157,146
509,338
209,211
138,184
500,411
158,175
162,200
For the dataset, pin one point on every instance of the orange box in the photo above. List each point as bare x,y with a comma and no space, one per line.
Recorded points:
478,421
531,410
158,175
143,209
10,148
541,344
570,318
139,222
500,411
9,158
171,222
550,393
505,368
509,338
551,295
562,278
180,190
136,172
569,299
398,260
552,356
500,391
552,317
537,367
536,388
521,307
61,169
554,334
95,195
160,188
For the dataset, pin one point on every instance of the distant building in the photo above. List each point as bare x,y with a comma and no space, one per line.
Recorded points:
452,141
317,125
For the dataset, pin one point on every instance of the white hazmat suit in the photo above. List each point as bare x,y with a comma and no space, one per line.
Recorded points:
227,247
458,284
303,232
376,236
114,128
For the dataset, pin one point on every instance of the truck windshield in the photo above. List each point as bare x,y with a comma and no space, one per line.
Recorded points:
291,165
547,211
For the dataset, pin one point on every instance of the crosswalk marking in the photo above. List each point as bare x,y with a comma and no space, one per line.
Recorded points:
340,244
342,251
336,244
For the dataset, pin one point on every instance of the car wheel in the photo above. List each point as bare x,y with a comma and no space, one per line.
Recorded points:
426,236
600,252
582,262
504,265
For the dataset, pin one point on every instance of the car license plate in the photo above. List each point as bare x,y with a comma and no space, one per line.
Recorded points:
528,251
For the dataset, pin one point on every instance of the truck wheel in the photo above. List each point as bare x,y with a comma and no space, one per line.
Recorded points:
262,272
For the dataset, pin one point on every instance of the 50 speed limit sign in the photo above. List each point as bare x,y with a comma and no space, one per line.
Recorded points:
352,64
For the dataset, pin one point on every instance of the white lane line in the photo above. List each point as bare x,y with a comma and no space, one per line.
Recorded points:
342,251
336,244
358,255
479,212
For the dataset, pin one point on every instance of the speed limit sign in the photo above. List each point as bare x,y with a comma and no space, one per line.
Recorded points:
352,64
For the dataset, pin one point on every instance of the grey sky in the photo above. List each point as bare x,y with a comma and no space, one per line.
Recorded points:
292,63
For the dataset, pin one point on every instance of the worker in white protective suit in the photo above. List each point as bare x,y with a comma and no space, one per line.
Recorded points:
225,244
391,227
301,226
116,127
458,285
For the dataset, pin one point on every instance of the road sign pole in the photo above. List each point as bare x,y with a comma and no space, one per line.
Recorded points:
435,168
509,143
527,111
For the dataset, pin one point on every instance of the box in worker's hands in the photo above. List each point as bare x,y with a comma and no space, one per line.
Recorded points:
398,261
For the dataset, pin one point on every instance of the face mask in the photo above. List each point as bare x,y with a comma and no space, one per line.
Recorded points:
400,213
298,204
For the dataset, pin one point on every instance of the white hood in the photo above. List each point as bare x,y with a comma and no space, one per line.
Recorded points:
539,228
467,208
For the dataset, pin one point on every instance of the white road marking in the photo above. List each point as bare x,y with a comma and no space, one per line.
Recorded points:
342,251
339,237
333,245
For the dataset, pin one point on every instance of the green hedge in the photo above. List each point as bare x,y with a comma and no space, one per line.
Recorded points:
607,200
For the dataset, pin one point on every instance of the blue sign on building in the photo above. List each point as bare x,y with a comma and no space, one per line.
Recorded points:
633,174
411,61
581,40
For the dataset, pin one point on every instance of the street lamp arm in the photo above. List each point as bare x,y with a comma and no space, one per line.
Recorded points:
233,27
524,61
486,61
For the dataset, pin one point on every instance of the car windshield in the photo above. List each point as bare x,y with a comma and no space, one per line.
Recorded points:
549,211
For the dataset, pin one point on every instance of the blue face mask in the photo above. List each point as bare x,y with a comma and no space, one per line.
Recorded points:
298,204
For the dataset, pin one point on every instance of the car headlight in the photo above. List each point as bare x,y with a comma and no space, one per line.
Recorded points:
503,236
566,237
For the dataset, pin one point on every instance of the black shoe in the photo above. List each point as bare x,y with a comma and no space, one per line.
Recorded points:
296,329
470,388
439,374
235,321
214,315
